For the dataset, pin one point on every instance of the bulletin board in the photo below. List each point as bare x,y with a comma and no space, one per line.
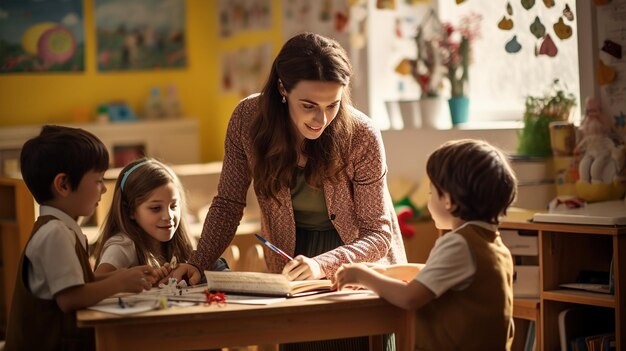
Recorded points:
611,41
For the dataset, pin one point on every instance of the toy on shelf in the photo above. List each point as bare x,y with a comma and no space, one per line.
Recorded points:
602,157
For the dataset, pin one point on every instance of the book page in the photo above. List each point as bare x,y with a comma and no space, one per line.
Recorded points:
270,284
248,283
300,286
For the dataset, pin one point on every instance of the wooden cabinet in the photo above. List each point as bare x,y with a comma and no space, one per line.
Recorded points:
564,251
17,216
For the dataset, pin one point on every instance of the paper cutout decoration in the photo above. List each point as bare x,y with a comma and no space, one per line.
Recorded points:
548,47
512,46
562,30
568,13
548,3
606,74
341,21
404,67
386,4
325,11
537,28
528,4
505,23
509,9
612,48
460,1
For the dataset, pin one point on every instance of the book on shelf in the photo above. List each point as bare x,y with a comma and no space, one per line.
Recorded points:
531,343
263,284
576,324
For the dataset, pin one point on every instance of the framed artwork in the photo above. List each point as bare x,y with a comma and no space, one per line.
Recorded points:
140,35
41,36
245,70
240,16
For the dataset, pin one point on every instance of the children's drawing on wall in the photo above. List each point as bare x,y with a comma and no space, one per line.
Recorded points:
611,64
41,36
237,16
327,17
140,35
244,71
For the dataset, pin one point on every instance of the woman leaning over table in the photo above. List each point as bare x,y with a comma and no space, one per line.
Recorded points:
319,172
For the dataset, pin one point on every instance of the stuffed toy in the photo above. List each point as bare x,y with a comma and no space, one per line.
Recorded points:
602,158
405,213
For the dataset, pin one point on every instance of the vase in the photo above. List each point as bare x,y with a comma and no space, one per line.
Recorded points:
430,111
459,109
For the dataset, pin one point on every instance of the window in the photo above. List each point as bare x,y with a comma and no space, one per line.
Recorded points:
499,81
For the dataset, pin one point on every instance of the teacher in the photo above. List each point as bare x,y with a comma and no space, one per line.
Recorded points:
318,166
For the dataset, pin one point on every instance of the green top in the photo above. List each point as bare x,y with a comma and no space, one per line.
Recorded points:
309,205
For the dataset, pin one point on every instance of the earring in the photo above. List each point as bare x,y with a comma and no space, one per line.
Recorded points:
284,100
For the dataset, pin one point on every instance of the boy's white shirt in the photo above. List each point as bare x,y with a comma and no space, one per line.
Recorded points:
119,251
450,264
54,265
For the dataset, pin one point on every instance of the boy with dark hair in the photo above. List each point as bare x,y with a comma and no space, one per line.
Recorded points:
463,295
64,169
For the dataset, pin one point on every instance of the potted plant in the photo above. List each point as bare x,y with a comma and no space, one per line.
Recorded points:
556,105
456,49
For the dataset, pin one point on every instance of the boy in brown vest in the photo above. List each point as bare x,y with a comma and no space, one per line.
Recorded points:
63,168
463,295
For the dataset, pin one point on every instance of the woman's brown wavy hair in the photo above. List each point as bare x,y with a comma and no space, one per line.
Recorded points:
310,57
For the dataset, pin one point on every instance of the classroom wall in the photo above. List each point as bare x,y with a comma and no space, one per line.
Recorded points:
37,98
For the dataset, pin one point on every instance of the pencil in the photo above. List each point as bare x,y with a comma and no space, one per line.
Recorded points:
273,248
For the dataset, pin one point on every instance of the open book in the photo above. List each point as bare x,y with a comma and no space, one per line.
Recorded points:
265,284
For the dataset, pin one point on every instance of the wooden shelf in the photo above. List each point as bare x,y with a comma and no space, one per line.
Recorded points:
580,297
565,250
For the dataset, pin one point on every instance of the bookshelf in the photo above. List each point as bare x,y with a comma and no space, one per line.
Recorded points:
564,251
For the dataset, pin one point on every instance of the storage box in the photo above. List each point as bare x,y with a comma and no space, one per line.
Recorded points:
524,247
526,281
520,245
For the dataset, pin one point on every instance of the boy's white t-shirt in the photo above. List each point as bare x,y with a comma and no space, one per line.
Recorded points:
53,264
119,251
450,264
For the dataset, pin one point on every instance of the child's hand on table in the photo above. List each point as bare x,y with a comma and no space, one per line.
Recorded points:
183,270
136,279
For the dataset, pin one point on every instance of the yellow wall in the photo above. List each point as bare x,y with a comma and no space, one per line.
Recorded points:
52,97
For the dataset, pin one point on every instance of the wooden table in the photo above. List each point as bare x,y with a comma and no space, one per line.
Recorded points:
316,317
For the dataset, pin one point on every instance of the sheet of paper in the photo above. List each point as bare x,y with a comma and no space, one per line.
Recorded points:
137,307
253,300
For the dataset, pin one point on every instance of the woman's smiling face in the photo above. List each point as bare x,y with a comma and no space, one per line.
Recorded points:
313,105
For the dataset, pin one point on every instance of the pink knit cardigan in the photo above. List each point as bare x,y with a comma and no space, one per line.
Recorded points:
359,204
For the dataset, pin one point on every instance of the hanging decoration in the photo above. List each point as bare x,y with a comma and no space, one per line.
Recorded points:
567,12
537,28
612,48
606,74
528,4
544,26
505,23
548,47
512,46
562,30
